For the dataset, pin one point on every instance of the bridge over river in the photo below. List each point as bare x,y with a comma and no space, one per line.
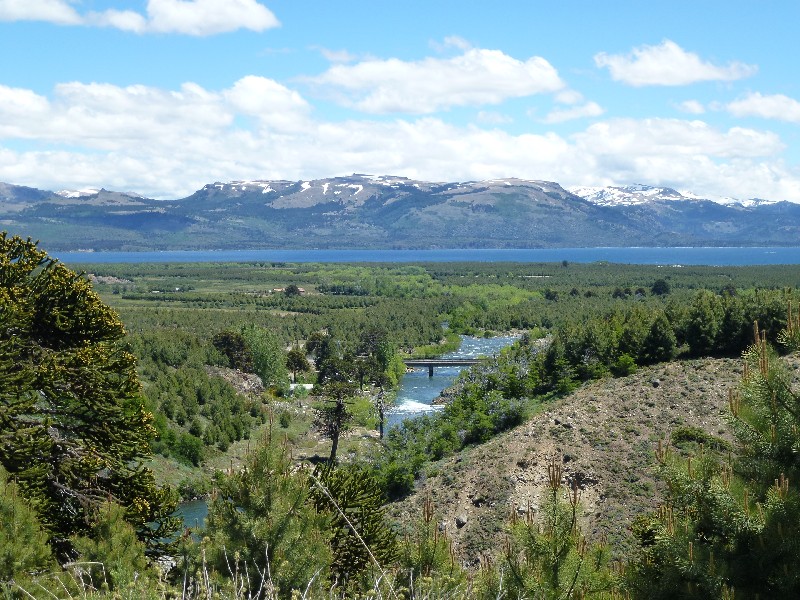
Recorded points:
440,362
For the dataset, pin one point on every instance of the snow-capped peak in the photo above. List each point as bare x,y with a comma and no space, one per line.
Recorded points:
78,193
629,195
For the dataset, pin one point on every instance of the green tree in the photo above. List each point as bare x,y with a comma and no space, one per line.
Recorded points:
74,431
232,344
291,290
333,416
547,555
659,344
24,548
269,360
297,362
704,321
263,517
362,536
428,564
731,525
660,287
110,553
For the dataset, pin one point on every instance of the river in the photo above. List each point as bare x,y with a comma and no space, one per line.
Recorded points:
417,390
414,396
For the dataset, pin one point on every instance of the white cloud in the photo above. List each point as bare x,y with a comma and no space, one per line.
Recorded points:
208,17
668,64
337,56
568,97
493,118
454,41
190,17
54,11
692,107
590,109
670,138
126,20
477,77
693,155
168,143
776,106
273,104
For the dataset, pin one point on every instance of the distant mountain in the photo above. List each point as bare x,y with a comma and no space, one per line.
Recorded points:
363,211
628,195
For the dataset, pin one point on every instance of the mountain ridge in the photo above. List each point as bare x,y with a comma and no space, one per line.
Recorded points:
365,211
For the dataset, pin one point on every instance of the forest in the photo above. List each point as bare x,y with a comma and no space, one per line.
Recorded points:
126,389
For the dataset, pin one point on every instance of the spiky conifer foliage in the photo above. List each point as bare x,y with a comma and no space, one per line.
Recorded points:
731,526
362,536
73,428
547,556
24,550
428,567
263,529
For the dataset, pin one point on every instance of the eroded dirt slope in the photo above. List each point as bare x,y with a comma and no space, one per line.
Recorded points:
604,434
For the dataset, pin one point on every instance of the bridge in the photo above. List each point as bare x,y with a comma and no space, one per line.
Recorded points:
440,362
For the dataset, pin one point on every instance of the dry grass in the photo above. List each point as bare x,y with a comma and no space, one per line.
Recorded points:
605,433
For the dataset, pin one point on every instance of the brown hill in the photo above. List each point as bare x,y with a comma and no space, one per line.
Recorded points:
605,434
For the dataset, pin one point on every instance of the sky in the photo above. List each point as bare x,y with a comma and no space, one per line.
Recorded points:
161,97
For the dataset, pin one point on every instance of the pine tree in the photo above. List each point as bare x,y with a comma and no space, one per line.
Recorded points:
73,428
546,555
262,525
24,550
297,362
731,525
111,554
332,415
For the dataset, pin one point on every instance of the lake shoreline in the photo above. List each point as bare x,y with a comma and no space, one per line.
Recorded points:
672,256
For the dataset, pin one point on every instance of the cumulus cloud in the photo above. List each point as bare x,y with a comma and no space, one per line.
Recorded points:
54,11
476,77
189,17
670,138
590,109
668,64
207,17
692,107
168,143
273,104
776,106
693,155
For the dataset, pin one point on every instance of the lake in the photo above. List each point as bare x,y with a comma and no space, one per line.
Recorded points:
665,256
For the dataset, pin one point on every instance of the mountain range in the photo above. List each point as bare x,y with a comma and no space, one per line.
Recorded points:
363,211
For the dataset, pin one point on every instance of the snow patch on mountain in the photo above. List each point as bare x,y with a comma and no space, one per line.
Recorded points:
631,195
78,193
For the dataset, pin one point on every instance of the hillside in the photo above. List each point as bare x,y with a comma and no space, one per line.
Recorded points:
362,211
605,434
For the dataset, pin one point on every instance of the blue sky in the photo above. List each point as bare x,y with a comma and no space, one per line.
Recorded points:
161,97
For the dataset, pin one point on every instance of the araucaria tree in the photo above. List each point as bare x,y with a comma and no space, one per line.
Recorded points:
73,428
332,415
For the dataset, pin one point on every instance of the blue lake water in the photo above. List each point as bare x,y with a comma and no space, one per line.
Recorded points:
667,256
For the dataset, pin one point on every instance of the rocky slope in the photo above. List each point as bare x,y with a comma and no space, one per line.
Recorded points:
604,435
